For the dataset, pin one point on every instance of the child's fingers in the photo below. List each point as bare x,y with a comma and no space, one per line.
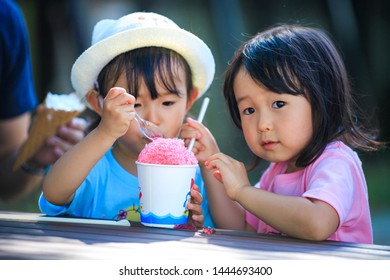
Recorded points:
120,96
194,123
196,209
218,160
123,99
114,92
194,127
211,163
217,175
187,132
215,166
196,196
198,221
195,187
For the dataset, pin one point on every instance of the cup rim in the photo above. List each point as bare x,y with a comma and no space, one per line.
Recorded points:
166,165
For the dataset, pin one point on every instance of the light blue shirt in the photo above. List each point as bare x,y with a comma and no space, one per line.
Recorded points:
110,192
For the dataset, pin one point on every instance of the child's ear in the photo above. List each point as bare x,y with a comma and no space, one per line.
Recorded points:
93,99
191,99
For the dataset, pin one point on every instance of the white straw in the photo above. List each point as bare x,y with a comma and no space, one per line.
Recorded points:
202,112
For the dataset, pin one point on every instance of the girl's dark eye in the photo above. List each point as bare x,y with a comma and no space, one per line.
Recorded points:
278,104
137,105
168,103
248,111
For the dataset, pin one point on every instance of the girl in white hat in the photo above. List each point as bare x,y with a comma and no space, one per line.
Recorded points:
142,62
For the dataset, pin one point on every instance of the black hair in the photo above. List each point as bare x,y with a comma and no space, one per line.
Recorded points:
301,60
148,64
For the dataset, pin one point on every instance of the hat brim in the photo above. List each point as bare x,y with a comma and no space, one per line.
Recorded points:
199,57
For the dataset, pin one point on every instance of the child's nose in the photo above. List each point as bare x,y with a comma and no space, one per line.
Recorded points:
150,114
264,123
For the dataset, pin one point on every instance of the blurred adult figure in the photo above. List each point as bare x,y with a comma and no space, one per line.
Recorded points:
18,102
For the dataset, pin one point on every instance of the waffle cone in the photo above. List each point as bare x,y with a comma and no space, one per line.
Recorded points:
45,125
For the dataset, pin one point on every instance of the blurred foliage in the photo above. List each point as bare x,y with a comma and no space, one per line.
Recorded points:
376,169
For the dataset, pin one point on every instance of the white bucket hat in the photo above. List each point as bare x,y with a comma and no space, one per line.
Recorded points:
111,38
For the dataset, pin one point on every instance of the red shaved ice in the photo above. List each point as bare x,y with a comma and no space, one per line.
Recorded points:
168,151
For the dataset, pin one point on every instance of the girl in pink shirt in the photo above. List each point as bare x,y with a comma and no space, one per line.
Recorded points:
287,90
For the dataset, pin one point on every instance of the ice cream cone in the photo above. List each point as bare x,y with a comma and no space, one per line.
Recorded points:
45,125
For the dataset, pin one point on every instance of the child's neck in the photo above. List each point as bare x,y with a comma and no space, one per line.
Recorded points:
291,168
125,158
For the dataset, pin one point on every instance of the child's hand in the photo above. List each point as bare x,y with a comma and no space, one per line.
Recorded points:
230,172
205,144
195,208
118,112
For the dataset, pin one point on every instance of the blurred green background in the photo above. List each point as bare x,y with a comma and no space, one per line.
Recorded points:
61,30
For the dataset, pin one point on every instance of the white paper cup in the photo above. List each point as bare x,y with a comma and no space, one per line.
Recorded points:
164,193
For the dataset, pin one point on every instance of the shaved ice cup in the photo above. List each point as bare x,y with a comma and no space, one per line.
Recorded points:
164,193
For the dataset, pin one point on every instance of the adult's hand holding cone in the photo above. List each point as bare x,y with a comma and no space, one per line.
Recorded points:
58,110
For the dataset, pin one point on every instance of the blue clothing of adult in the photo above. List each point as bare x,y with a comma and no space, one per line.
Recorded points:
17,93
110,192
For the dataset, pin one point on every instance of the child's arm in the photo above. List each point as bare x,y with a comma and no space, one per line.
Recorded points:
225,212
293,215
72,168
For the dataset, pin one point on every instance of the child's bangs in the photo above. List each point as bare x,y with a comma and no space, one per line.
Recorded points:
269,63
154,66
167,72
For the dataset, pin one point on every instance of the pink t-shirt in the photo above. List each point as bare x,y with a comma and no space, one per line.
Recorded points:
336,178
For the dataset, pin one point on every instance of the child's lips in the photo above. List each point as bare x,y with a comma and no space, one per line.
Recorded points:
269,144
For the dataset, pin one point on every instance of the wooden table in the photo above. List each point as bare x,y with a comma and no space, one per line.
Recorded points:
27,236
